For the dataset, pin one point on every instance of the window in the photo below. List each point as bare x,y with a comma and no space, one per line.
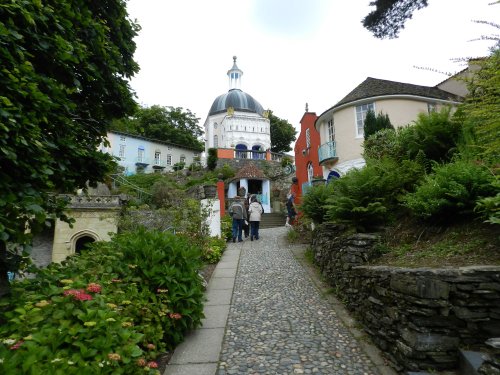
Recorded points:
122,138
169,159
216,141
310,172
121,153
182,159
431,107
361,111
157,157
140,154
331,131
308,138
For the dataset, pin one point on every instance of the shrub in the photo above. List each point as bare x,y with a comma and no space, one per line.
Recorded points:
369,196
452,189
374,124
314,202
212,159
213,249
226,171
382,144
107,311
489,207
226,223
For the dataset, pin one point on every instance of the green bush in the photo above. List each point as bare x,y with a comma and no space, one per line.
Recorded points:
452,189
314,202
212,159
110,310
227,171
489,207
226,226
382,144
213,249
369,197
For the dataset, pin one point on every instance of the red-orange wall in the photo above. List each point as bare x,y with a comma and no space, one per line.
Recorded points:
311,154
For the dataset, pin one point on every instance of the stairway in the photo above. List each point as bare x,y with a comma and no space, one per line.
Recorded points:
272,220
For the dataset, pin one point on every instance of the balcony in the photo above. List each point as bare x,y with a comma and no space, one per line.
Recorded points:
327,153
141,161
159,163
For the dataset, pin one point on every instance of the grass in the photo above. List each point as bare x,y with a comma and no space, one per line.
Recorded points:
413,244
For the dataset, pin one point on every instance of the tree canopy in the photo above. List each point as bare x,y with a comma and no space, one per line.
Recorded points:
376,123
390,16
168,124
282,134
65,72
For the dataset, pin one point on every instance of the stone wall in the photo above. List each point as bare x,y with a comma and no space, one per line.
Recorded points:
418,317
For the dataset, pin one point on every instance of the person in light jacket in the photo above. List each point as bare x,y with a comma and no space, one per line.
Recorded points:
255,211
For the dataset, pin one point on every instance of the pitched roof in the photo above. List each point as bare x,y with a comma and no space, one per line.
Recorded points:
373,87
250,171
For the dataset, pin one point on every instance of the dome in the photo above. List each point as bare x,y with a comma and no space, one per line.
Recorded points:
239,100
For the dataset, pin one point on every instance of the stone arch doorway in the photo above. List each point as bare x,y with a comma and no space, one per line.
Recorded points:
81,239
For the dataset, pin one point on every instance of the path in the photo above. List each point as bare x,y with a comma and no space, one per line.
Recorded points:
279,321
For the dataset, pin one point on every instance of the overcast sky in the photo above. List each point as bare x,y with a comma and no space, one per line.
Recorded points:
293,51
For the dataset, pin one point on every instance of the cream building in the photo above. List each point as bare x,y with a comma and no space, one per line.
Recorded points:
341,126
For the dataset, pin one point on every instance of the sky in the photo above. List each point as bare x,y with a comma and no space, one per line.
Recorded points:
293,52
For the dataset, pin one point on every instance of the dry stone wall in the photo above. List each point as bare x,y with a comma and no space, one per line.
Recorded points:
418,317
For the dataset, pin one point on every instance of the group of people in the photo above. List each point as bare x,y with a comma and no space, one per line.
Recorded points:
246,214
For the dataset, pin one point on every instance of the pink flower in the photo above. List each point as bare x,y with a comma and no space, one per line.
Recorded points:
17,345
150,346
78,294
152,364
175,316
94,288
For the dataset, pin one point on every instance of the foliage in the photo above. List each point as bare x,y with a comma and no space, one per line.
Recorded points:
390,16
314,200
452,189
168,124
179,166
213,249
369,197
286,160
480,109
282,134
165,195
226,223
382,144
64,77
212,159
110,310
226,171
489,207
373,123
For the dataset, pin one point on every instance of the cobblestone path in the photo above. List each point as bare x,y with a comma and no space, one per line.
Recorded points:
279,323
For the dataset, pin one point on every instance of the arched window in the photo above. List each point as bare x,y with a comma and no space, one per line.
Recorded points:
310,172
216,141
257,155
241,151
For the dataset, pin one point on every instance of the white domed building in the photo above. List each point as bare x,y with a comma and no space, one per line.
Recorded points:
239,128
237,121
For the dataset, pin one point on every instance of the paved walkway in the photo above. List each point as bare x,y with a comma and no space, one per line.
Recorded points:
268,313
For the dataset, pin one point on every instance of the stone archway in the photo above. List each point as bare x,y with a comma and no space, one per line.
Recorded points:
81,239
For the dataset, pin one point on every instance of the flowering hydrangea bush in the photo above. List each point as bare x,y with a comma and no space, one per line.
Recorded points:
110,310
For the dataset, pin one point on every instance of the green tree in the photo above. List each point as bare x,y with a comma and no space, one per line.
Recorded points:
390,16
65,72
168,124
374,124
282,134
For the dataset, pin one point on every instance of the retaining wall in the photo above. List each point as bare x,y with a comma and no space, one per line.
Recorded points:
418,317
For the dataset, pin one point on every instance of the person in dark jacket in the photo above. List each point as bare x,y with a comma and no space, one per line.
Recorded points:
238,212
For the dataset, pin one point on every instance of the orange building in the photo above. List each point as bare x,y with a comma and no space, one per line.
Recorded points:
306,151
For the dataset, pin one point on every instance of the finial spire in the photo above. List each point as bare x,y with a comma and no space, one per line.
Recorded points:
234,75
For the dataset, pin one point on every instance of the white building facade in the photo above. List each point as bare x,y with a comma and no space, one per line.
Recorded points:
140,154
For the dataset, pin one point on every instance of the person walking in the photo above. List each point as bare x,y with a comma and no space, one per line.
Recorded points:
293,199
255,211
239,214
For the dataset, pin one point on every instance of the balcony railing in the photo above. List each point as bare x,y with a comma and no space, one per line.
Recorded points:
159,163
141,160
327,152
249,154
